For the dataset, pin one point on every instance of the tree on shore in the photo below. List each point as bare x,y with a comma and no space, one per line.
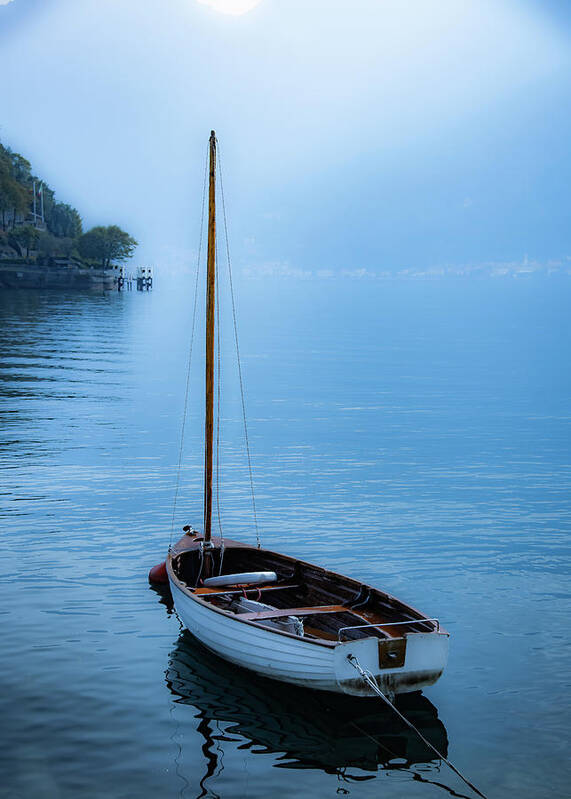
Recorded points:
64,221
13,195
106,244
25,237
50,246
17,200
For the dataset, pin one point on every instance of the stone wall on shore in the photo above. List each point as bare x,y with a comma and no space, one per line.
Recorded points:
17,275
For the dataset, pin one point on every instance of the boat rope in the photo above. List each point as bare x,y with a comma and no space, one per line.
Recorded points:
186,393
238,349
201,563
415,774
372,683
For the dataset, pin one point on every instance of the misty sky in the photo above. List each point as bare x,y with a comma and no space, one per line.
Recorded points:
375,134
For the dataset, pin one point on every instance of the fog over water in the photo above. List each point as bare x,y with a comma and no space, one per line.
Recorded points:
354,134
412,433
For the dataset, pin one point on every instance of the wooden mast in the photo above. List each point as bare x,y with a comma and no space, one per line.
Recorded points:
210,303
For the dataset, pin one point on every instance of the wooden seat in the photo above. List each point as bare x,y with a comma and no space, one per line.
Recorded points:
274,614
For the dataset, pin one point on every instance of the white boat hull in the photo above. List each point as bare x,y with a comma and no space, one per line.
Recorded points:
306,662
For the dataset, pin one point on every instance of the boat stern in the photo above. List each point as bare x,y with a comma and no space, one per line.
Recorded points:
399,665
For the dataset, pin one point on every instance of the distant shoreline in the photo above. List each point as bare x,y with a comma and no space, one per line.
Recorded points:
29,275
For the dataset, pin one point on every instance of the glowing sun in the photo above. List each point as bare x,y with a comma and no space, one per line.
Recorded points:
235,7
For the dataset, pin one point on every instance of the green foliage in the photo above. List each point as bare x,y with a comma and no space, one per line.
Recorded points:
53,246
17,197
21,168
13,195
106,244
64,221
25,237
13,198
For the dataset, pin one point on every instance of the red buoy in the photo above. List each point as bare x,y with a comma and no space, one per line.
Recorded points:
158,573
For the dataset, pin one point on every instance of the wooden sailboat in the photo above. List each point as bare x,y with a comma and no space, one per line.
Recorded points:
282,617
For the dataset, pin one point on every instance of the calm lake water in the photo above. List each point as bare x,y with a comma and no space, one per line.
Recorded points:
413,434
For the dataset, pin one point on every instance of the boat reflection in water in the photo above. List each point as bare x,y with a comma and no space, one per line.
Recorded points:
307,729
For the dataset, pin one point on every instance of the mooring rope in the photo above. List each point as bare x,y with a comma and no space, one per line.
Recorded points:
370,680
184,415
238,351
415,774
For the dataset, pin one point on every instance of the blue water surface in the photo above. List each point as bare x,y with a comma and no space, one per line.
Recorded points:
414,434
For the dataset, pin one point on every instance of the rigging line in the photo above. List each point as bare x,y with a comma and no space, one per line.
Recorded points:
238,350
184,415
370,680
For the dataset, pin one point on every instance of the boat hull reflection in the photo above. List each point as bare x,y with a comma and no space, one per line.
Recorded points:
307,729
